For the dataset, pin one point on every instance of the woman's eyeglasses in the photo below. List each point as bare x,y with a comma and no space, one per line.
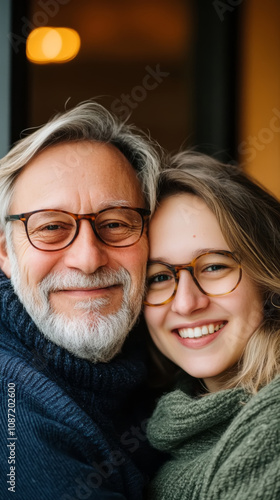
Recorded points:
214,273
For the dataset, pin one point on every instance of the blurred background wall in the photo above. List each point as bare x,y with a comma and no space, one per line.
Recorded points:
5,76
192,73
259,94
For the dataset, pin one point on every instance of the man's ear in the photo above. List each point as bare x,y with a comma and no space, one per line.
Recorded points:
4,259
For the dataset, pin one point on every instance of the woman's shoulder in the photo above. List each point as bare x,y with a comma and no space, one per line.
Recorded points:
257,423
266,401
246,458
230,438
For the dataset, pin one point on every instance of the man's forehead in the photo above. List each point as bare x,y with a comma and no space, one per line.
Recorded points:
84,169
68,156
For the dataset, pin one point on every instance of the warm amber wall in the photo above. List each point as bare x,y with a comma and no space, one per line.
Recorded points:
259,141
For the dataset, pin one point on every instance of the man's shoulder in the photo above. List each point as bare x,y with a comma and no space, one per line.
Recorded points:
77,444
39,390
33,386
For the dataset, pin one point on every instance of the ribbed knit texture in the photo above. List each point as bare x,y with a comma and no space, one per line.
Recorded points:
79,426
224,446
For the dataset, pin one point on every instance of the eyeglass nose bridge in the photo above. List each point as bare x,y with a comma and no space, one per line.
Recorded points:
91,218
183,267
190,269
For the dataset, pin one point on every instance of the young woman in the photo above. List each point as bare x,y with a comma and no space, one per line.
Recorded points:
213,309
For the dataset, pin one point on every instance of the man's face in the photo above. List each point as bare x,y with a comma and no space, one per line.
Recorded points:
81,178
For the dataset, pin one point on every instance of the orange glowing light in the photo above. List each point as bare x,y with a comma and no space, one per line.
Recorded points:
52,45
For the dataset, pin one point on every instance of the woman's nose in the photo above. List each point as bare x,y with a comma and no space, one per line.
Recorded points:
188,298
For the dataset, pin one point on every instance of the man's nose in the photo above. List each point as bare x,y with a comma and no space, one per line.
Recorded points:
87,253
188,298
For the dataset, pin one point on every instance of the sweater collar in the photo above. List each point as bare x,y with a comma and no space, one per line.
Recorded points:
124,372
180,416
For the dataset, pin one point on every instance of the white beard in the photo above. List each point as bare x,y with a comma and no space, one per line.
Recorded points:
95,337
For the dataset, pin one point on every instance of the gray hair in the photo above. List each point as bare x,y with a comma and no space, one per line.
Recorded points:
88,121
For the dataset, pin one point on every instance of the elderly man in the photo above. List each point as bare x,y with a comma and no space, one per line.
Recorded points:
75,198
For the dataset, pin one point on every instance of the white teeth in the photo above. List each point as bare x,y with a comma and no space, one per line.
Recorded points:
204,330
190,333
212,329
198,331
183,334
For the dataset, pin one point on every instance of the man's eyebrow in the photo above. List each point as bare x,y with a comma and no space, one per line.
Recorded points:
115,203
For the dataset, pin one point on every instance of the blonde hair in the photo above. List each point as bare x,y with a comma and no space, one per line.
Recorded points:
88,121
249,218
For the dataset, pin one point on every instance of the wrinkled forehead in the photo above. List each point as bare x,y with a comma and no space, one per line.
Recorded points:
82,173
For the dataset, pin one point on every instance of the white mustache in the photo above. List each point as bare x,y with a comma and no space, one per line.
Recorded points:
74,279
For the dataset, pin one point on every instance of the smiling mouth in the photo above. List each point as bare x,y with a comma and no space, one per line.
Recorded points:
199,331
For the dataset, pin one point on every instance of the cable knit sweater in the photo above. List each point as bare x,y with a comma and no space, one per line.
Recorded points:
69,429
224,446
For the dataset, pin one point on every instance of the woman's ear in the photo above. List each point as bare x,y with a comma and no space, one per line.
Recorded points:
4,258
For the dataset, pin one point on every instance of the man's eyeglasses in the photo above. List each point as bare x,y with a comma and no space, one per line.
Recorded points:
50,230
214,273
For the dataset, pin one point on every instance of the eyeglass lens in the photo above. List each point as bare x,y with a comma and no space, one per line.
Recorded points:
50,230
217,274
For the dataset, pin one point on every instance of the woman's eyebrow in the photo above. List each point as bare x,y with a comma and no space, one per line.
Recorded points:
195,254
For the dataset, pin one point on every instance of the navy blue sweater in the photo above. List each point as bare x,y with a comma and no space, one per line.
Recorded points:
69,429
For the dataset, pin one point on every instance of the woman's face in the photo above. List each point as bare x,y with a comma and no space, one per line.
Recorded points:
182,228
